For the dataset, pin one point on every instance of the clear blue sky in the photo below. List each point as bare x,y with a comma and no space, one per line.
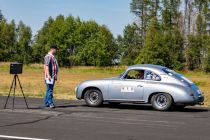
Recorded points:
113,13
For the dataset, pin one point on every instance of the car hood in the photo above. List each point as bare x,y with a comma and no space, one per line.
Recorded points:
103,79
111,78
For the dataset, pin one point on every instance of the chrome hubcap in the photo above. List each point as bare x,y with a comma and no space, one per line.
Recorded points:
161,100
93,97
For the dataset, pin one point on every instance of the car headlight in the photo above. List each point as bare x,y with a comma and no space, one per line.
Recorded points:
76,89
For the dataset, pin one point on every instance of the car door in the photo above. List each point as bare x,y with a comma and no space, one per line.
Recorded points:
129,87
132,89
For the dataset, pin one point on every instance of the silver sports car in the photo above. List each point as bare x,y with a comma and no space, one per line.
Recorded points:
154,84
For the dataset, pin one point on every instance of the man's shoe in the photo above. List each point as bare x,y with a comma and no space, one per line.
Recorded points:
52,106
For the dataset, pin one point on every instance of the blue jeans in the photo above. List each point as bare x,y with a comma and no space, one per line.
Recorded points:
49,95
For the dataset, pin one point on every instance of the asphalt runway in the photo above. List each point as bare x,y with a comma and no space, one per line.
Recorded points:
73,120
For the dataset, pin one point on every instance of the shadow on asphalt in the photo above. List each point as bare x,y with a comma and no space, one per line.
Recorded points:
149,108
66,106
57,106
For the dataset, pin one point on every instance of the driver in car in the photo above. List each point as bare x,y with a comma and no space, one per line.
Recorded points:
140,75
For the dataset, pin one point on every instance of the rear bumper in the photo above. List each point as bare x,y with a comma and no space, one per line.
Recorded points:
192,101
200,100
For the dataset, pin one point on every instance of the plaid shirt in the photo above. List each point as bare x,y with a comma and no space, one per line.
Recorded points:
52,63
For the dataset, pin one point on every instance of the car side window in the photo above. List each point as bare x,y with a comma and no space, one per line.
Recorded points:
149,75
135,74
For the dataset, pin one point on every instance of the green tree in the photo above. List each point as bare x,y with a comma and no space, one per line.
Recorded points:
198,43
174,46
15,41
162,41
162,48
79,42
172,37
170,13
23,45
1,17
153,51
194,52
40,41
130,44
98,47
139,8
207,58
144,10
7,40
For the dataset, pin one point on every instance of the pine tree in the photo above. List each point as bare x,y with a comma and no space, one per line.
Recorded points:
1,17
153,51
130,44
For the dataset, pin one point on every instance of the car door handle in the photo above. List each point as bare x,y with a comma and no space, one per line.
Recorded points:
139,86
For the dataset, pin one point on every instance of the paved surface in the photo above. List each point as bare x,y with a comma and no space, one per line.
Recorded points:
73,120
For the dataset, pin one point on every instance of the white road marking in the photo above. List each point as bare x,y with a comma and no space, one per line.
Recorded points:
20,138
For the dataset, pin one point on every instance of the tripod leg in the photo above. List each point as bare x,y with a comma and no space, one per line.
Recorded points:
13,102
9,93
22,92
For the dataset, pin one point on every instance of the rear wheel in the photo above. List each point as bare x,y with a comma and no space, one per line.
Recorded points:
93,97
162,101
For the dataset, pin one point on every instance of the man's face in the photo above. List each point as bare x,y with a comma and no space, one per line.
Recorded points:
53,51
141,73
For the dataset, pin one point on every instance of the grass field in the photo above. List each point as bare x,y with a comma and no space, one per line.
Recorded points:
33,82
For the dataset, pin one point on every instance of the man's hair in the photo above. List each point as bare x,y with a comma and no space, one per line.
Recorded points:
54,46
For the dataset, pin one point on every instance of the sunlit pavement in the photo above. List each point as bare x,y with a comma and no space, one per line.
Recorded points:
73,120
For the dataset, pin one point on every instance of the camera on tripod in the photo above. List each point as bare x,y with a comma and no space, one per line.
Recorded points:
16,68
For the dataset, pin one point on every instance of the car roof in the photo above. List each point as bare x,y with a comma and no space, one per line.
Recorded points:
148,66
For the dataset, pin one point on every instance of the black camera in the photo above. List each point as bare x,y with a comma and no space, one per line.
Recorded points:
16,68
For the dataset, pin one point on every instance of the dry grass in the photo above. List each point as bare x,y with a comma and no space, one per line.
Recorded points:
33,82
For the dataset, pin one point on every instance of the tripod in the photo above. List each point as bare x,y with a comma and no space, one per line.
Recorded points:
13,86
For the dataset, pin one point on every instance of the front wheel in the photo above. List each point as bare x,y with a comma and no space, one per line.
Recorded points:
162,101
93,97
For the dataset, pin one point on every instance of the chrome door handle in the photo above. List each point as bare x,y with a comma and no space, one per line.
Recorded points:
139,86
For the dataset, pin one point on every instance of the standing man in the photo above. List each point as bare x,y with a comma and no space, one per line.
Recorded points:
50,74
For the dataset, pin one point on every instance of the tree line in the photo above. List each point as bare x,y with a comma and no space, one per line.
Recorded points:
173,33
80,42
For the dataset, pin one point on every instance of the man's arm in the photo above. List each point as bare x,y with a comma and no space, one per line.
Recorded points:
48,73
46,63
